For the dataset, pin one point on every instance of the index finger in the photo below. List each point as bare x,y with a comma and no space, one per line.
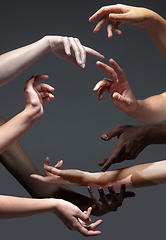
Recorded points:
116,156
110,71
99,13
105,10
93,52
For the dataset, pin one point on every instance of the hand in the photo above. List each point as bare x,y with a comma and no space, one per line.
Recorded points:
109,202
63,47
118,87
131,141
115,15
75,219
37,96
50,177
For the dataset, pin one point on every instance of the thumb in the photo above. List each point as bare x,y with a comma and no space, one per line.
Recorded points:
85,216
123,101
122,17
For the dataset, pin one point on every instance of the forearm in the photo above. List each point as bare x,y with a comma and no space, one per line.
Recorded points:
134,177
150,110
15,62
157,29
14,207
12,130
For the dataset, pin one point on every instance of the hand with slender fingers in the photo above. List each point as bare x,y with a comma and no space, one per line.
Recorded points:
118,87
71,49
76,220
109,202
50,177
131,141
117,14
37,95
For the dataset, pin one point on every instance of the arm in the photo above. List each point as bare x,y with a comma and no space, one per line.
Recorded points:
72,217
16,161
35,98
115,15
149,110
15,62
133,177
131,140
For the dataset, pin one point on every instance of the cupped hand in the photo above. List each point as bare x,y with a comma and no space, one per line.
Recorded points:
76,220
37,95
118,87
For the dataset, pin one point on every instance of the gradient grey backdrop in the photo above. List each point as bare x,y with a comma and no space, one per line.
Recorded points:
72,124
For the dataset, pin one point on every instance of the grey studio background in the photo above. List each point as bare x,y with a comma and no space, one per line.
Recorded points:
72,124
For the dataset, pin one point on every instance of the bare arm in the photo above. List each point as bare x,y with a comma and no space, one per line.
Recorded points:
136,176
72,217
15,62
115,15
35,98
149,110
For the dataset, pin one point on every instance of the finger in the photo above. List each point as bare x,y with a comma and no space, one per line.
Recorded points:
46,94
85,232
101,91
110,71
102,11
106,10
40,78
58,164
116,28
109,28
94,225
105,82
116,156
94,53
121,195
76,50
44,87
93,197
101,163
111,134
100,23
113,195
103,198
67,45
120,17
85,217
48,98
82,52
53,170
124,102
118,70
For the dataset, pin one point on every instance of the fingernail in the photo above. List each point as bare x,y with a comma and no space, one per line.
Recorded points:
83,65
105,137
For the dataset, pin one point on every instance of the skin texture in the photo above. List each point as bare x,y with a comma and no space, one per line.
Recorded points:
15,62
149,110
131,140
134,177
72,217
116,15
35,97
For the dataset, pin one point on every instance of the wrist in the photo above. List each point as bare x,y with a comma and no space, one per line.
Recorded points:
156,134
32,114
154,23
